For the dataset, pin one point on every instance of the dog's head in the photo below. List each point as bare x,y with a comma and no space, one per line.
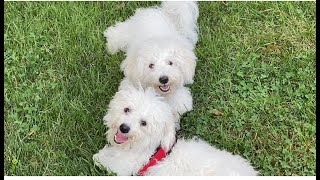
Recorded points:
164,65
139,118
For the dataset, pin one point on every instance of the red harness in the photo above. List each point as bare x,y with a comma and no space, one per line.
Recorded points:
157,156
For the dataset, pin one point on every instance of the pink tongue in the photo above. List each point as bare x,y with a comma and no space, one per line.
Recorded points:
120,138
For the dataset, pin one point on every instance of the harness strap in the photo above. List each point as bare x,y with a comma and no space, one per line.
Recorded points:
159,154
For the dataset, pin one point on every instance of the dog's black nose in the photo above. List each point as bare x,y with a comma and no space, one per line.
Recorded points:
163,79
124,128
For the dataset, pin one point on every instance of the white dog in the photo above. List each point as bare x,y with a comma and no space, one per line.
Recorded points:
159,44
142,141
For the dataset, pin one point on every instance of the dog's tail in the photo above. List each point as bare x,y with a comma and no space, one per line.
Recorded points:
184,15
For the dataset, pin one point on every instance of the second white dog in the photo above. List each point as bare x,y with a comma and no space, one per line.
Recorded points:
159,44
142,141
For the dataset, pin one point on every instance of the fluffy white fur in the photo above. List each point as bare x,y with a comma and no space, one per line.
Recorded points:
180,100
188,157
159,41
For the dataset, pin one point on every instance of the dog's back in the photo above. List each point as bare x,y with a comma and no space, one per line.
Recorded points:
170,21
196,157
184,15
150,23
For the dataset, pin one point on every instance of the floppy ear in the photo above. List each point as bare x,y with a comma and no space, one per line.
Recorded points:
187,61
107,119
168,134
132,68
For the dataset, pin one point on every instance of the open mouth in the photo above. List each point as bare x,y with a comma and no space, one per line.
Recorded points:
120,138
164,88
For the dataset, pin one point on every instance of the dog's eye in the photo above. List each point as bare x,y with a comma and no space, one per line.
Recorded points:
170,63
126,110
151,66
143,123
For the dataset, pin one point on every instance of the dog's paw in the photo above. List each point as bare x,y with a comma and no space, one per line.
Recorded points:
177,126
96,162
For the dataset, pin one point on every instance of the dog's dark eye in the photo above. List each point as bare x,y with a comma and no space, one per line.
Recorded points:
170,63
126,110
151,66
143,123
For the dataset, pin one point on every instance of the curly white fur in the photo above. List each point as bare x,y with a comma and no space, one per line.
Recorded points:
159,42
180,100
131,106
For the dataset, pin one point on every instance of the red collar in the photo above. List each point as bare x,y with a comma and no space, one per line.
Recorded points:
154,159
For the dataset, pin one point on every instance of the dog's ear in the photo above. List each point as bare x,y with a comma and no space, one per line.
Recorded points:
107,119
169,134
132,68
187,61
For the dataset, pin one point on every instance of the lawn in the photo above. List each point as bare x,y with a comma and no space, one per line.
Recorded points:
256,65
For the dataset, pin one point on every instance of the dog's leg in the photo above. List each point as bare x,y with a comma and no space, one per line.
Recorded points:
118,37
181,102
98,158
177,121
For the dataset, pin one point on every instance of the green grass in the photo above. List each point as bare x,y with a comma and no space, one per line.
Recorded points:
256,65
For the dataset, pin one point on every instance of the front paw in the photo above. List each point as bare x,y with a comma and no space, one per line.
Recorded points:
96,161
